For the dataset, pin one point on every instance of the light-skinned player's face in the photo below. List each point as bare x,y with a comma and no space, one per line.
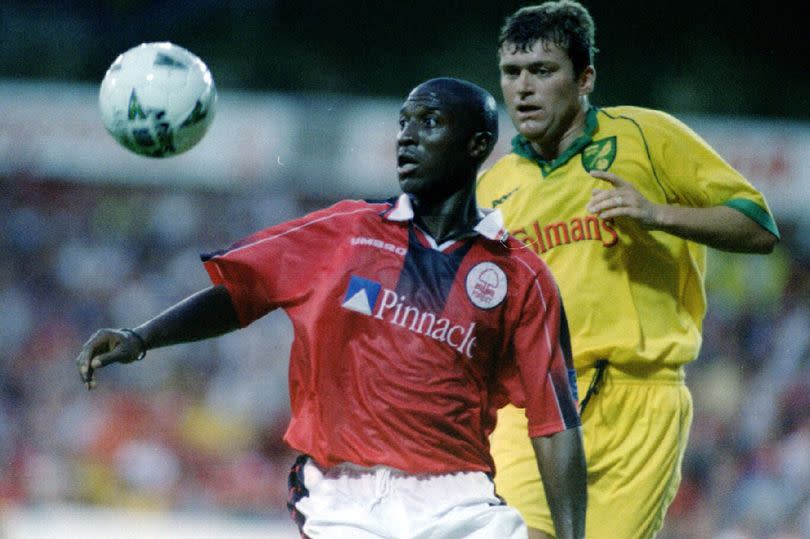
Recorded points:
542,94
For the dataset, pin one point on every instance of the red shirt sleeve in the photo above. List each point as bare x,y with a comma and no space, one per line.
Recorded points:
278,266
543,358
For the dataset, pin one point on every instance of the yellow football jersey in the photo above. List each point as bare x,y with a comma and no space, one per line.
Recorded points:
633,296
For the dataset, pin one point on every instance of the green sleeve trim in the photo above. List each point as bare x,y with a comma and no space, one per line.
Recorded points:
755,212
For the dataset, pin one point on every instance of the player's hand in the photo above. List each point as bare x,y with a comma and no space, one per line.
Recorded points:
623,200
107,346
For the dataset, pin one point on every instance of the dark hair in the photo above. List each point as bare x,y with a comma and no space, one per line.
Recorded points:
566,23
478,104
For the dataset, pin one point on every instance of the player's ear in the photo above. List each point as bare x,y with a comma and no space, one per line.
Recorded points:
480,145
587,80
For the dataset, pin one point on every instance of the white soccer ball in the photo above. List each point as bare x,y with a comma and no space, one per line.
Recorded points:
157,99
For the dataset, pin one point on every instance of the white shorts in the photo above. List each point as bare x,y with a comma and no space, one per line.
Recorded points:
352,502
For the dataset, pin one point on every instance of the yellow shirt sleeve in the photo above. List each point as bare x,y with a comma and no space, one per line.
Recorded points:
693,174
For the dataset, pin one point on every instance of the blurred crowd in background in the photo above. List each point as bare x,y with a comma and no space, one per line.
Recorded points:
742,57
199,427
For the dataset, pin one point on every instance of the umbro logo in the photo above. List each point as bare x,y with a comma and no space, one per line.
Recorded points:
379,244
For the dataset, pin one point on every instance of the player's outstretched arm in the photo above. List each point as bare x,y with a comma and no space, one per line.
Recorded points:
203,315
561,459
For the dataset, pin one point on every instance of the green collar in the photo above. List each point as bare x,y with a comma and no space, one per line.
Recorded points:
523,147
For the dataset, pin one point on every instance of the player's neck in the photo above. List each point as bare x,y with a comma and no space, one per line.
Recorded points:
452,218
557,143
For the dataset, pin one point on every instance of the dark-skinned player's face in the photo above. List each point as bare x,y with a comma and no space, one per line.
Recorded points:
433,143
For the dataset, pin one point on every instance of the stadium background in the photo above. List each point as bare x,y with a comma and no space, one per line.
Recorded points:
189,443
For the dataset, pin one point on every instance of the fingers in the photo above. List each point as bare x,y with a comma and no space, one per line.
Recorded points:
103,348
603,201
97,344
609,177
622,200
85,370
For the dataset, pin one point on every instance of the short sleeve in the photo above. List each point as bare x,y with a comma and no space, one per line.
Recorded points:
694,174
275,267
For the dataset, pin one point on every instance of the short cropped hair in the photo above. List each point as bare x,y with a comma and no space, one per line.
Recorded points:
566,23
478,105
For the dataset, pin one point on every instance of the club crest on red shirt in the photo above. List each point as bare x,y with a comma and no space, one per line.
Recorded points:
486,285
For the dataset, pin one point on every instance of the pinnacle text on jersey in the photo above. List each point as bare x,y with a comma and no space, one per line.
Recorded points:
460,338
542,238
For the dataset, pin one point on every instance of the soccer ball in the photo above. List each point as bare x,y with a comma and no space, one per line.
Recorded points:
157,99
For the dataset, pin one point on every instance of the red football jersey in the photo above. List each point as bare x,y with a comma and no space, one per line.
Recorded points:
404,349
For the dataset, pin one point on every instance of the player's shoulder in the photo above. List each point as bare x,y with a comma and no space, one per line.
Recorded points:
363,204
498,175
525,263
353,208
636,113
504,162
647,119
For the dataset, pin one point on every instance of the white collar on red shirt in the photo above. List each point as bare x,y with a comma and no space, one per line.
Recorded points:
490,224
